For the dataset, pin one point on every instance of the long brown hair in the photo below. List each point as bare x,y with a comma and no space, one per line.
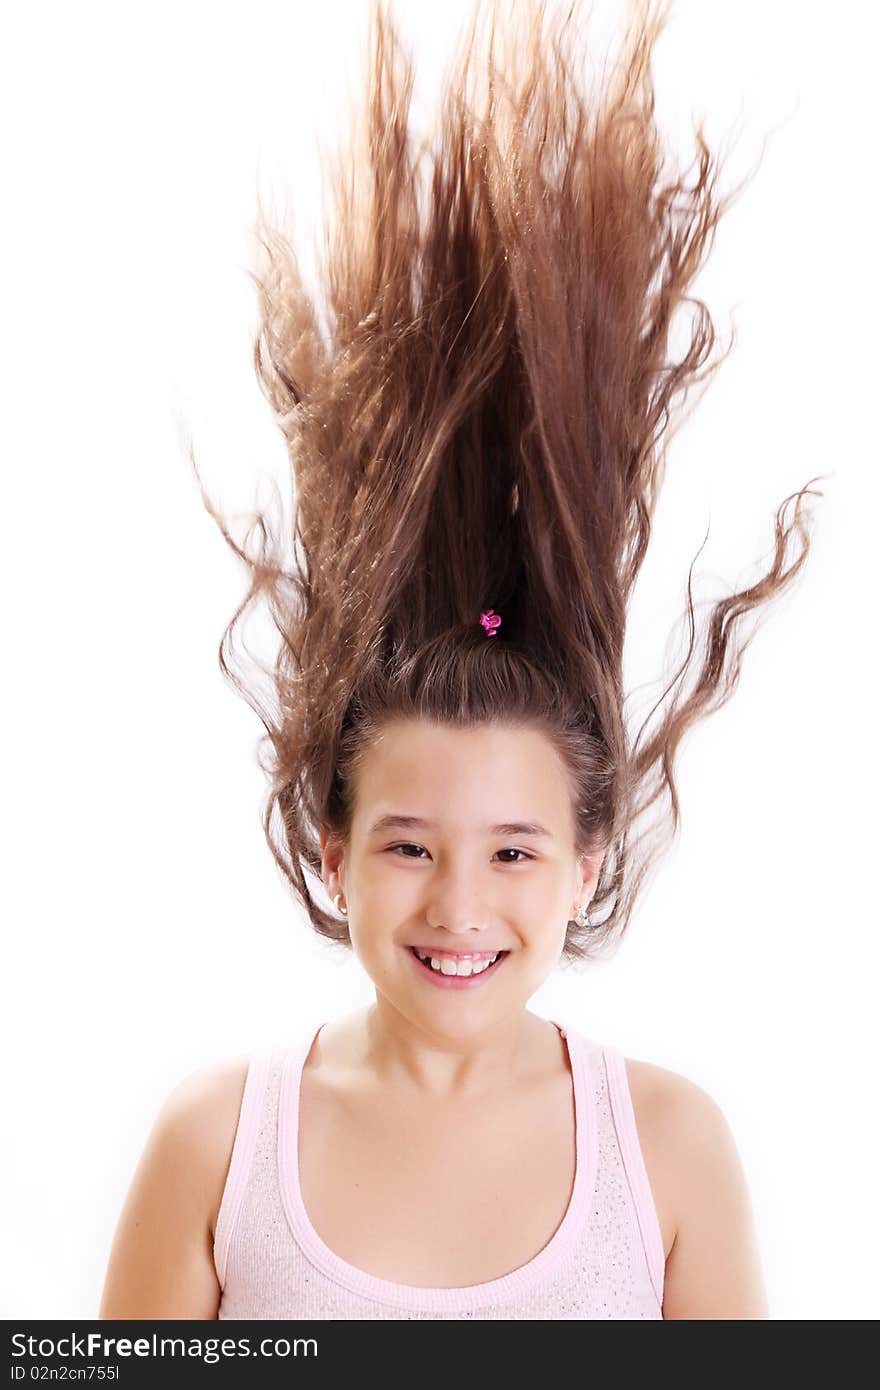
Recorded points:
476,404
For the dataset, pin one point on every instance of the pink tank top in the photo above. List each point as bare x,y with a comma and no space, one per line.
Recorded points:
605,1259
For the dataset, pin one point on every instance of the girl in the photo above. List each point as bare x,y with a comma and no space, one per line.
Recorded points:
475,433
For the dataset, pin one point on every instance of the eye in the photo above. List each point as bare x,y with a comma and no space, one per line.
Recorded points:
392,849
525,856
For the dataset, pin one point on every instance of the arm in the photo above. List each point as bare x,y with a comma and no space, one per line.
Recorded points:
161,1263
713,1270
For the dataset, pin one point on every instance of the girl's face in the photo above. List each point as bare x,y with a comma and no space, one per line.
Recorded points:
462,845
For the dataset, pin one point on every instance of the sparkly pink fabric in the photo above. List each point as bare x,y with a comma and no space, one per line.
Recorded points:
605,1259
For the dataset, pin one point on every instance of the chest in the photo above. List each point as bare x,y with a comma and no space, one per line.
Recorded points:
438,1195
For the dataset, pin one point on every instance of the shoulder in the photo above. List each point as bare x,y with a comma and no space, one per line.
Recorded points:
201,1091
682,1115
198,1120
161,1261
701,1194
670,1102
681,1128
665,1107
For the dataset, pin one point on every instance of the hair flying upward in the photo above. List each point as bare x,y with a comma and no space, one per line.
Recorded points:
476,406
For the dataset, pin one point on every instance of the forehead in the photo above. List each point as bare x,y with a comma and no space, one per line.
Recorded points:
485,774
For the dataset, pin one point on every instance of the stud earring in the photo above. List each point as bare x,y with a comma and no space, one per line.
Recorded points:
581,916
342,910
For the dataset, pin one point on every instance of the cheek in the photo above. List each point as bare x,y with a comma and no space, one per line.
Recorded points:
548,937
383,894
539,900
369,948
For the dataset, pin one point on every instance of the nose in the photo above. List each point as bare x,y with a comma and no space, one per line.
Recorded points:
457,907
465,931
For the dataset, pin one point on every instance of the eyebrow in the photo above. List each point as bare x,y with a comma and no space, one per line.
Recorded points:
394,821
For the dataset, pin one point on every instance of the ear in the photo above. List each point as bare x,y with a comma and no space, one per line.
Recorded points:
589,869
332,862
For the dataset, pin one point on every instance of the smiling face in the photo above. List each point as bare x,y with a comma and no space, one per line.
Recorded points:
462,845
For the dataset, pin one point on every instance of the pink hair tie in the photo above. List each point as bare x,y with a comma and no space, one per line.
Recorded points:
490,621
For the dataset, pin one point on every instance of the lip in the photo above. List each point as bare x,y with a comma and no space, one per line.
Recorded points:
438,953
440,981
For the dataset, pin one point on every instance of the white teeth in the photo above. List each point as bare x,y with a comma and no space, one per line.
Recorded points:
446,965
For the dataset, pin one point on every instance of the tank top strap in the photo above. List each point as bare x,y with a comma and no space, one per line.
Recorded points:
257,1113
633,1162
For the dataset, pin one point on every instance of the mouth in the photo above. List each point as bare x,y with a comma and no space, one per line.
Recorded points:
448,969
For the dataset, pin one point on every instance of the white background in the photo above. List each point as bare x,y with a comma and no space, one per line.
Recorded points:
146,929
